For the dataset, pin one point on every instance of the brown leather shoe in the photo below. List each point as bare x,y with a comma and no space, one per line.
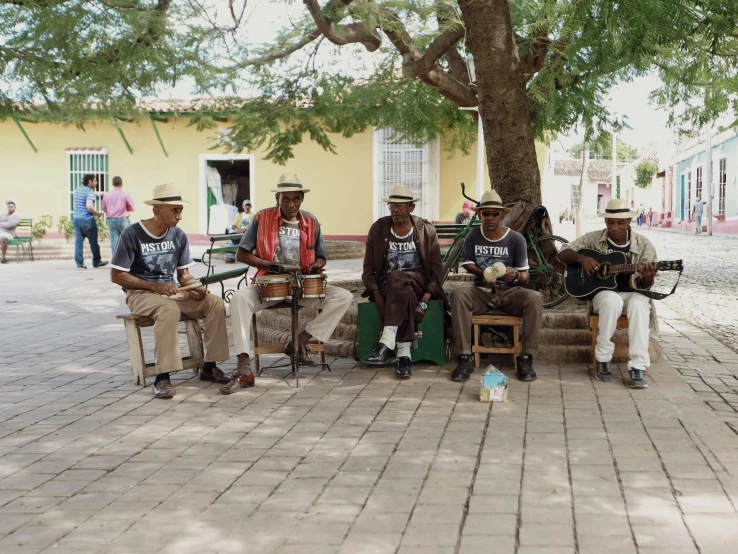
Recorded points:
238,381
217,376
302,353
164,389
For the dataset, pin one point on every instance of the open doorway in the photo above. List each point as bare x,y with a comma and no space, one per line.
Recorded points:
237,181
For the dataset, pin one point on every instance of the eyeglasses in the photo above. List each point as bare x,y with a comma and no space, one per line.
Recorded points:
490,214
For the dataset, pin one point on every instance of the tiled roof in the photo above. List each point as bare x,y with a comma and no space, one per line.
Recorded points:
597,170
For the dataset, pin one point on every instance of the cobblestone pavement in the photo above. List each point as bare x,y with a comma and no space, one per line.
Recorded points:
351,462
699,324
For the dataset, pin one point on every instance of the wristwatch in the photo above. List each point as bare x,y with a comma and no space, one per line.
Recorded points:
423,305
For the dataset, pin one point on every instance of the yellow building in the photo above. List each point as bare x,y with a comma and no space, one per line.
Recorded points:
39,173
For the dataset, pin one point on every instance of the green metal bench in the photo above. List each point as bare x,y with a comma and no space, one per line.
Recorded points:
23,243
207,260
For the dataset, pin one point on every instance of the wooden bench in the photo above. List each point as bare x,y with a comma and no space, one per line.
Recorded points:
499,318
142,370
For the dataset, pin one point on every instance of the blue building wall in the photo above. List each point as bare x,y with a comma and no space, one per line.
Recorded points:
685,180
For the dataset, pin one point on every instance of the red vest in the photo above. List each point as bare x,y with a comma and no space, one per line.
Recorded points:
267,237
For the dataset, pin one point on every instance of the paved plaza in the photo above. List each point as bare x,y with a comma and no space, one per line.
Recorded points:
354,461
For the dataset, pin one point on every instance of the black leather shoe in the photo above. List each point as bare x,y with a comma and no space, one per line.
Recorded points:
404,368
101,263
525,368
603,372
464,368
216,376
164,389
381,355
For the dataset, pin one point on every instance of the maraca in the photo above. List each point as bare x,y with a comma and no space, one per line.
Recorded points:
493,272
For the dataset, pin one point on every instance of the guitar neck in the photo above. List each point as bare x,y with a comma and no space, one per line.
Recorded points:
624,268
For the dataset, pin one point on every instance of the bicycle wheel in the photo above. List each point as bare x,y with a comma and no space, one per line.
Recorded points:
546,270
451,256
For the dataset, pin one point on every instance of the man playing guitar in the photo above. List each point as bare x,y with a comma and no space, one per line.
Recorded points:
609,304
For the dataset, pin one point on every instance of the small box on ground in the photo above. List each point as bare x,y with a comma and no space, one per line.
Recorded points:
493,385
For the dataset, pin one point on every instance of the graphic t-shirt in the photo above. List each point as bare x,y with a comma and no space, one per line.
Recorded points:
510,249
622,279
288,248
402,254
242,220
152,258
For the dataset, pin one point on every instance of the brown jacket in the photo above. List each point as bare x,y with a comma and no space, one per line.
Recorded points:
426,243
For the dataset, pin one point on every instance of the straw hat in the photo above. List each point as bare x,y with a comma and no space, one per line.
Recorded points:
289,182
401,195
490,199
617,208
166,194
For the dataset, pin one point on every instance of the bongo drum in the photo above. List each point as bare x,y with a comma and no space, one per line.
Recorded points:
313,286
273,288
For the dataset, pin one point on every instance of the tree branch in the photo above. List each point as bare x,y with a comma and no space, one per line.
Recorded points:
457,65
440,45
340,35
276,54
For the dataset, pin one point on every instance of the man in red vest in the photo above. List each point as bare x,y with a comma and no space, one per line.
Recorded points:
282,236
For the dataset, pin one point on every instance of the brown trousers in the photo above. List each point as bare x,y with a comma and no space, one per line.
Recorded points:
166,311
517,301
402,291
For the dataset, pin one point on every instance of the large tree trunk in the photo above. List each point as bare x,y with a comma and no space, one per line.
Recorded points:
503,102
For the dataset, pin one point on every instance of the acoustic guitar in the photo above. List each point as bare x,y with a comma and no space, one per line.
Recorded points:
581,285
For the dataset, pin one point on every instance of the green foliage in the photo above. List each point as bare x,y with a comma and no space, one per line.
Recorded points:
700,74
103,232
601,149
76,62
644,173
41,227
65,226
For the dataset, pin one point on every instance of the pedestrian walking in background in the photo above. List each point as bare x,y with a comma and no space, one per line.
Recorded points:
117,205
697,208
641,213
84,222
650,217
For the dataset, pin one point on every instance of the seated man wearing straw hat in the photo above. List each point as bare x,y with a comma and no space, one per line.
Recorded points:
485,246
402,272
283,235
144,263
609,304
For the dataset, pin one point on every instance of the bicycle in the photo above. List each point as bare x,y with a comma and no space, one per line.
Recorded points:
546,271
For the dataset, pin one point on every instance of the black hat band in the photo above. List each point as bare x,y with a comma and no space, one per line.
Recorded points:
490,203
285,185
617,211
168,198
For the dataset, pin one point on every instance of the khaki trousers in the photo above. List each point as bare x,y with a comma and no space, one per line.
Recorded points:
166,311
245,302
516,301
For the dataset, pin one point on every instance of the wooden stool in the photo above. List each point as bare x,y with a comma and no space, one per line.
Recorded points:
142,370
278,347
496,317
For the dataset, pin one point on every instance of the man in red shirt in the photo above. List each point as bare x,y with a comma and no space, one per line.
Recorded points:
117,205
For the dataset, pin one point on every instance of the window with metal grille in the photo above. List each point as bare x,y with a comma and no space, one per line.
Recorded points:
81,161
698,184
689,194
722,185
